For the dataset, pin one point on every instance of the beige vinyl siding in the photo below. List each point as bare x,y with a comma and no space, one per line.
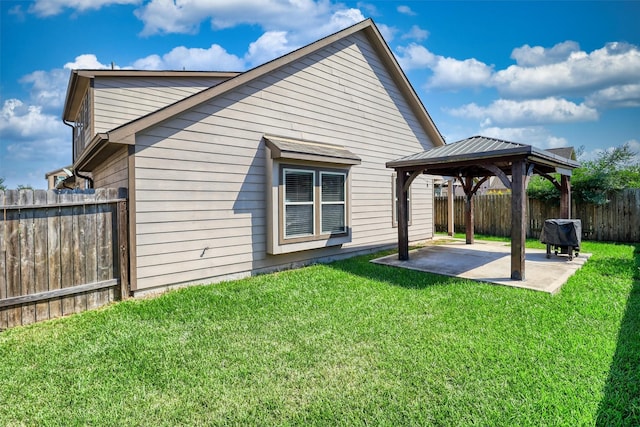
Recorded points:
118,100
113,173
200,177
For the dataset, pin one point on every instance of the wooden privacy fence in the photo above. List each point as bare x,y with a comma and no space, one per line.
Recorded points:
61,252
616,221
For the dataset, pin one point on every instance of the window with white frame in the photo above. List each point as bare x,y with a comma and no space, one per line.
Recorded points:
299,206
309,200
314,203
333,202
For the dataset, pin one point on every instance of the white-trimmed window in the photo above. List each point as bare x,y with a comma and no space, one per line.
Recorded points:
299,205
309,200
333,204
314,203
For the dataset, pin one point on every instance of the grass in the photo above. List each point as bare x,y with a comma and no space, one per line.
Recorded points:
348,343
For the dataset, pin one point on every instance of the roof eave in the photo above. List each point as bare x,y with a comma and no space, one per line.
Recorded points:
99,148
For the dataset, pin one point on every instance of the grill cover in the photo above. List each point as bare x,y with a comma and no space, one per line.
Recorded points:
562,232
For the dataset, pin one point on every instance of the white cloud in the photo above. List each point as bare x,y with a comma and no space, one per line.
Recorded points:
48,88
633,144
368,8
580,73
338,20
85,62
451,73
405,10
214,58
35,139
527,56
308,17
534,111
416,33
270,45
534,135
54,7
388,33
616,96
415,56
448,73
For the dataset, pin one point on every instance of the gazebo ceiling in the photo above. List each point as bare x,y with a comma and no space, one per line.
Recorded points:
467,156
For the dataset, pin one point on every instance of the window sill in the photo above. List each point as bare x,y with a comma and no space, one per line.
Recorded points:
286,248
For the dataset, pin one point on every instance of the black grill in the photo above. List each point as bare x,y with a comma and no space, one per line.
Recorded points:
564,235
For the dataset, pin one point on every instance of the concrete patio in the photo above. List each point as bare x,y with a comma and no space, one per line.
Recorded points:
489,262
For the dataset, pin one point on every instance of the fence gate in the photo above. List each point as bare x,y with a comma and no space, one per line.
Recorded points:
61,252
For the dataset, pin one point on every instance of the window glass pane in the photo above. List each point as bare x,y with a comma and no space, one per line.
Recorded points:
298,186
333,218
332,187
298,220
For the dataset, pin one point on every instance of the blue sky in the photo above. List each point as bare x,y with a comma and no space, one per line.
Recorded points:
544,73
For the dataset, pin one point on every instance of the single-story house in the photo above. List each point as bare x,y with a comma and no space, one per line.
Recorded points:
232,174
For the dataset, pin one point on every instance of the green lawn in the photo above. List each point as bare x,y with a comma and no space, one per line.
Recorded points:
348,343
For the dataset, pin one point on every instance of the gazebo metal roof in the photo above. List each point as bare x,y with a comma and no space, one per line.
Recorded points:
467,153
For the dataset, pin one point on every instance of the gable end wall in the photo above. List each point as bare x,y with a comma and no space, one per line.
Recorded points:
119,100
200,177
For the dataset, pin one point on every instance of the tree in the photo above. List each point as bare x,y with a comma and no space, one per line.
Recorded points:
595,180
2,186
610,172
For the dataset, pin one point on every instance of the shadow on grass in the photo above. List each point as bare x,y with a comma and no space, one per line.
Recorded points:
621,403
396,276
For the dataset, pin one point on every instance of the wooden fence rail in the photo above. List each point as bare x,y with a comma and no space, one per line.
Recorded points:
616,221
61,252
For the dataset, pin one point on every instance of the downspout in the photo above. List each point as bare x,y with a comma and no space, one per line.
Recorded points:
78,174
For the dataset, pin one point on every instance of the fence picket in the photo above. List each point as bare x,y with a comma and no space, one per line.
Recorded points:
54,259
41,283
27,255
50,241
618,220
3,263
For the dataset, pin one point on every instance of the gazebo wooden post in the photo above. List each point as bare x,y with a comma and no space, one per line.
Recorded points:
403,220
518,217
468,219
565,196
468,209
450,211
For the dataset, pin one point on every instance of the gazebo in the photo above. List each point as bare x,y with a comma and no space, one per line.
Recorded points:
474,160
